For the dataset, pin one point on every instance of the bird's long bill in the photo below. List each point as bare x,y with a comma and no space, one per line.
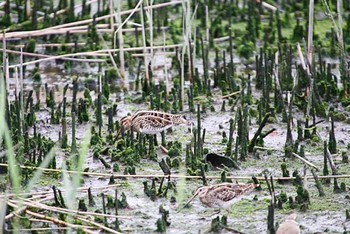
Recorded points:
189,201
121,129
118,133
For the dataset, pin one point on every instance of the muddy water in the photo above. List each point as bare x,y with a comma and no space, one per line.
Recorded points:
247,215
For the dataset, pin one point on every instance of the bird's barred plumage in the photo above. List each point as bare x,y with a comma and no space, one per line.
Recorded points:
221,195
151,122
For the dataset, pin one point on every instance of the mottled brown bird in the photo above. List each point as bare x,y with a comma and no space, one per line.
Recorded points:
289,226
151,122
221,195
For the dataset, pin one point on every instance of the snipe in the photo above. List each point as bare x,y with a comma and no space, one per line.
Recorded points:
289,226
151,122
222,195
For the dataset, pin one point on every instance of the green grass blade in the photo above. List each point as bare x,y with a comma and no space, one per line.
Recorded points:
5,132
71,185
39,172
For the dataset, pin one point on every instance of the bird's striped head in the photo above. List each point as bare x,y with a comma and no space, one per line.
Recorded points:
125,122
180,119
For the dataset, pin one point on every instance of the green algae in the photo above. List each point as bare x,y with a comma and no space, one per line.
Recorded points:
247,207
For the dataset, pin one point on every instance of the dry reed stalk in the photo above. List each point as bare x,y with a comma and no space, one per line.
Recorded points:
16,82
111,20
11,35
92,53
221,39
7,76
51,45
24,194
231,94
302,60
42,230
268,6
121,24
185,21
160,5
83,31
149,14
330,159
22,91
98,188
99,225
309,57
165,67
174,176
110,55
157,53
4,62
24,208
144,46
165,150
42,197
49,56
207,23
39,220
50,222
71,31
265,148
121,43
35,33
310,32
340,26
39,205
305,161
54,220
16,212
305,177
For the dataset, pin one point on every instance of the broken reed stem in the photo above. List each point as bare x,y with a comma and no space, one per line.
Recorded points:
155,54
165,150
51,45
302,60
331,162
310,31
305,161
268,6
49,56
98,225
110,55
149,14
41,230
231,94
54,220
87,21
118,20
71,30
174,176
98,189
38,205
144,46
16,213
84,29
94,53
